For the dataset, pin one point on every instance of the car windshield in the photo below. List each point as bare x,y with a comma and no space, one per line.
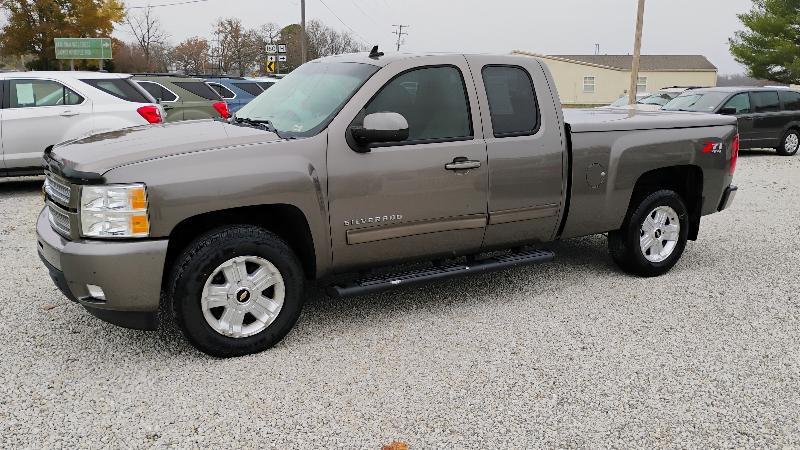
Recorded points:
696,101
659,99
622,101
304,101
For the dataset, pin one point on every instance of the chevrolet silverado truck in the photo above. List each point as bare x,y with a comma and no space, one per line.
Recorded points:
365,172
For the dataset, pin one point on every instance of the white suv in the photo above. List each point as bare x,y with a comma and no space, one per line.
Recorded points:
40,109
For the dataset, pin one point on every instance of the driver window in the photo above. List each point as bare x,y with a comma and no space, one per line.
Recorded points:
433,100
32,93
741,102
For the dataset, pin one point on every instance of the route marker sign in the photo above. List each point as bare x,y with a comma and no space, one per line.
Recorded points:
281,48
83,48
272,48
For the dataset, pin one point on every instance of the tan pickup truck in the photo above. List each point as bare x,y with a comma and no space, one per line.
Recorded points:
355,164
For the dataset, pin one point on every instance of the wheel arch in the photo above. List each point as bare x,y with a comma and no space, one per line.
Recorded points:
285,220
685,180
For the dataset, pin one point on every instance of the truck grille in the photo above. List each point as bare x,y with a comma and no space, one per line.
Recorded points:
57,190
59,219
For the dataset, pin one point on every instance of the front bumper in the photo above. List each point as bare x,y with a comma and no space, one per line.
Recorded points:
727,197
129,273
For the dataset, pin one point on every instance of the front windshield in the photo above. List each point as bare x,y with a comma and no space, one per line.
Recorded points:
622,101
696,101
657,99
306,99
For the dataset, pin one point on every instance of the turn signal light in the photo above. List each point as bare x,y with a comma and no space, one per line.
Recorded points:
150,113
734,153
222,109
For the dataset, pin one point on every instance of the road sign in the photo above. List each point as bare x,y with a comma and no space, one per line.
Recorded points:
83,48
271,66
272,48
281,48
272,58
282,58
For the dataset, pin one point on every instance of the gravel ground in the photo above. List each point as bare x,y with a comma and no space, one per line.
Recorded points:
572,354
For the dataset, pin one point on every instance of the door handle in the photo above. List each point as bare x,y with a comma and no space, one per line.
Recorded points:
69,113
462,163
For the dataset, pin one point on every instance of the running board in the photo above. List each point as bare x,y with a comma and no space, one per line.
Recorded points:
440,272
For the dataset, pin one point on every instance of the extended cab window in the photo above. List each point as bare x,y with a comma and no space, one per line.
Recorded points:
32,93
765,101
791,100
433,100
512,101
739,102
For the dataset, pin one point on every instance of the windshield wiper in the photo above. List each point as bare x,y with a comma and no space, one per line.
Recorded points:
259,123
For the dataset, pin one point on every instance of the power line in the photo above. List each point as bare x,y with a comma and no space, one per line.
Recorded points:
342,21
399,32
185,2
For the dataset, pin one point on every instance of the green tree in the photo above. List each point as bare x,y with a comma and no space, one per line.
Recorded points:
770,46
33,24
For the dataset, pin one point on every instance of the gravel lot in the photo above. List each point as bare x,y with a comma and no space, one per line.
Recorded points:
572,354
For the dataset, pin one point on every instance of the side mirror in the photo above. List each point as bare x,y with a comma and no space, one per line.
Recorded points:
380,127
728,111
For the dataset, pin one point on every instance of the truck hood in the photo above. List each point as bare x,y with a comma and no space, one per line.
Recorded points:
99,153
601,120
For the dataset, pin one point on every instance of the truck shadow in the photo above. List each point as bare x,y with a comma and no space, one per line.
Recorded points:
21,185
755,153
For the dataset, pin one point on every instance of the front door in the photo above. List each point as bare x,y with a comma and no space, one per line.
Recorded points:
744,115
409,200
40,113
768,122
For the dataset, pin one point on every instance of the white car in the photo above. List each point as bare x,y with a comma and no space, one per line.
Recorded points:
654,101
40,109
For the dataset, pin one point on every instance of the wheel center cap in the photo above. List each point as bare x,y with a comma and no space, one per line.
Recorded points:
658,234
242,295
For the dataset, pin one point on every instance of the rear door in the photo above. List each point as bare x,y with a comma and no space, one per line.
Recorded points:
167,98
197,99
40,113
526,151
768,122
419,198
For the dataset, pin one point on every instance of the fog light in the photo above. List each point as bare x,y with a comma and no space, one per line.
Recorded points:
96,292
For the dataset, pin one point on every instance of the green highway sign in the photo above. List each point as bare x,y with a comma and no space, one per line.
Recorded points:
83,48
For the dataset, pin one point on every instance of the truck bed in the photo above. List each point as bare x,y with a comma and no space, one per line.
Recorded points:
601,120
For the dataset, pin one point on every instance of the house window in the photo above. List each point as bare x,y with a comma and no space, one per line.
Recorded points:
588,85
641,84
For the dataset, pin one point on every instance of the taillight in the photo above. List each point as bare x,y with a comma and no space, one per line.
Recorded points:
150,113
222,109
734,153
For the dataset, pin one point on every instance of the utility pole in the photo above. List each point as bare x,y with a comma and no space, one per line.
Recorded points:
637,53
399,32
302,31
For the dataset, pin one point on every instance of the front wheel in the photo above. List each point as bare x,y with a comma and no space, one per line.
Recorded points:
653,236
790,143
236,290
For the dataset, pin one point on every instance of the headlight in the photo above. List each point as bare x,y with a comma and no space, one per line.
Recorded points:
117,211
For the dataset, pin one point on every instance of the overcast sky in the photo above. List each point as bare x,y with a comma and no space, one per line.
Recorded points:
542,26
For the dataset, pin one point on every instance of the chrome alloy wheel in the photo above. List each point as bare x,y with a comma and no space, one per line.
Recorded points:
792,143
243,296
659,234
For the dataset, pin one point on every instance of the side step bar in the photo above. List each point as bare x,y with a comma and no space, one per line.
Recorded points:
388,281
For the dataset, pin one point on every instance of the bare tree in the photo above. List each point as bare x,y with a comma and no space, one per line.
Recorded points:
191,55
237,47
325,41
151,38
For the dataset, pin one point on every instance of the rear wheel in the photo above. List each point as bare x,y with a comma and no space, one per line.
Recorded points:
790,143
653,236
236,291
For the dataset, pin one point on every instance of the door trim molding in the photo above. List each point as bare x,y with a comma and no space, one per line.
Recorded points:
522,214
374,234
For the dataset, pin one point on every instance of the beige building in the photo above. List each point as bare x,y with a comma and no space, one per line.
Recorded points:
594,80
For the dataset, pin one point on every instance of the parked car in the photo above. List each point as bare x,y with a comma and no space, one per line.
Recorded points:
236,92
768,117
40,109
623,101
265,82
358,162
184,98
654,101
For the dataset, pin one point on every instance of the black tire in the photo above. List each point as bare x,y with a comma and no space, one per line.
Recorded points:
624,245
782,150
199,260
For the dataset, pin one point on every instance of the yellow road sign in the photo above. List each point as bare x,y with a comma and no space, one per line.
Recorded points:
271,66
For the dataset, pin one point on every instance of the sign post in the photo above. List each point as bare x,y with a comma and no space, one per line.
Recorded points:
276,54
83,48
